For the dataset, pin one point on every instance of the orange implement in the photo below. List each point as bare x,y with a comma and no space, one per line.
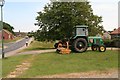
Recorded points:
64,50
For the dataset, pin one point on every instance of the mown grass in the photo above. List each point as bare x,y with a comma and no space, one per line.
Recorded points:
9,64
0,68
53,63
36,45
13,40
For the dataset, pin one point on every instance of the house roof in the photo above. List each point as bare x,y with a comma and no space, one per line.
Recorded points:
117,31
6,31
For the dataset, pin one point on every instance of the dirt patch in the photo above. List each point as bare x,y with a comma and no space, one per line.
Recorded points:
92,74
21,68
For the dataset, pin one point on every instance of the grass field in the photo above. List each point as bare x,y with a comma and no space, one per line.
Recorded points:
36,45
53,63
9,64
15,39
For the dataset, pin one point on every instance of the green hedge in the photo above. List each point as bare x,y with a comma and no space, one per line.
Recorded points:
112,43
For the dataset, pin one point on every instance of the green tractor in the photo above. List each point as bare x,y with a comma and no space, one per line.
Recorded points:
80,41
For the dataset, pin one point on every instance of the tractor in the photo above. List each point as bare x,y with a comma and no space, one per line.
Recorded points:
80,41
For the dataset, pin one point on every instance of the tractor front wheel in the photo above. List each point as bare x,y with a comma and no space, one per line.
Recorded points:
102,48
80,45
56,45
94,48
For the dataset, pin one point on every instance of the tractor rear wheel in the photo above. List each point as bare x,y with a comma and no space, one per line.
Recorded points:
102,48
80,45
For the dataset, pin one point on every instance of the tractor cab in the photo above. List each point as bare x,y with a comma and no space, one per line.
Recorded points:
80,30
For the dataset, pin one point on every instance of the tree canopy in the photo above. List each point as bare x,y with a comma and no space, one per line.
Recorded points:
58,19
8,27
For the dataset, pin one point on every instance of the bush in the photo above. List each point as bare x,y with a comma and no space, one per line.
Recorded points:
108,43
116,43
112,43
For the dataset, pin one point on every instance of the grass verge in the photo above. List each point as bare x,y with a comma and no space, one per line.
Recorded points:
13,40
9,64
36,45
53,63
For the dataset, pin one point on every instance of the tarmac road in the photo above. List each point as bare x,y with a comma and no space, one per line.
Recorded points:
16,45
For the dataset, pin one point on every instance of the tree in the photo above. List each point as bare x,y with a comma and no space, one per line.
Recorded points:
30,34
58,19
8,27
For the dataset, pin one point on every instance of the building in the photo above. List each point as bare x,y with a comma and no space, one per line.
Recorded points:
20,34
106,35
6,35
115,34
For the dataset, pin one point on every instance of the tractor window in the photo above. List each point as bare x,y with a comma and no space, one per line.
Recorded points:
74,32
91,40
80,32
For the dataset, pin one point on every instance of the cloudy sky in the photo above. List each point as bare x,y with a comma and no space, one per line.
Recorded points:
21,13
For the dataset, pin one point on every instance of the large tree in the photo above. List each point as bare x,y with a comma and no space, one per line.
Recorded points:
8,27
58,19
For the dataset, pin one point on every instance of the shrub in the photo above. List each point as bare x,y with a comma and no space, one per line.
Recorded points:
112,43
108,43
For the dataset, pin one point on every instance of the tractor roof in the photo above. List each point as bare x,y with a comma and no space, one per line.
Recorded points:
81,26
95,37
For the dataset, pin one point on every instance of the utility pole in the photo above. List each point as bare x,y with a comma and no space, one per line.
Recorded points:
1,5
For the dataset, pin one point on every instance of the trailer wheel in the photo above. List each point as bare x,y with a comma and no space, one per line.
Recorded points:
102,48
80,45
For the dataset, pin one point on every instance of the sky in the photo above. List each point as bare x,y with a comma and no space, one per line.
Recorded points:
21,14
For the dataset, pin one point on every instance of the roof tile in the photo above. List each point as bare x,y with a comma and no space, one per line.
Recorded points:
117,31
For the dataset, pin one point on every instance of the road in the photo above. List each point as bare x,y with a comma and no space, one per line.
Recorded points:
15,45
